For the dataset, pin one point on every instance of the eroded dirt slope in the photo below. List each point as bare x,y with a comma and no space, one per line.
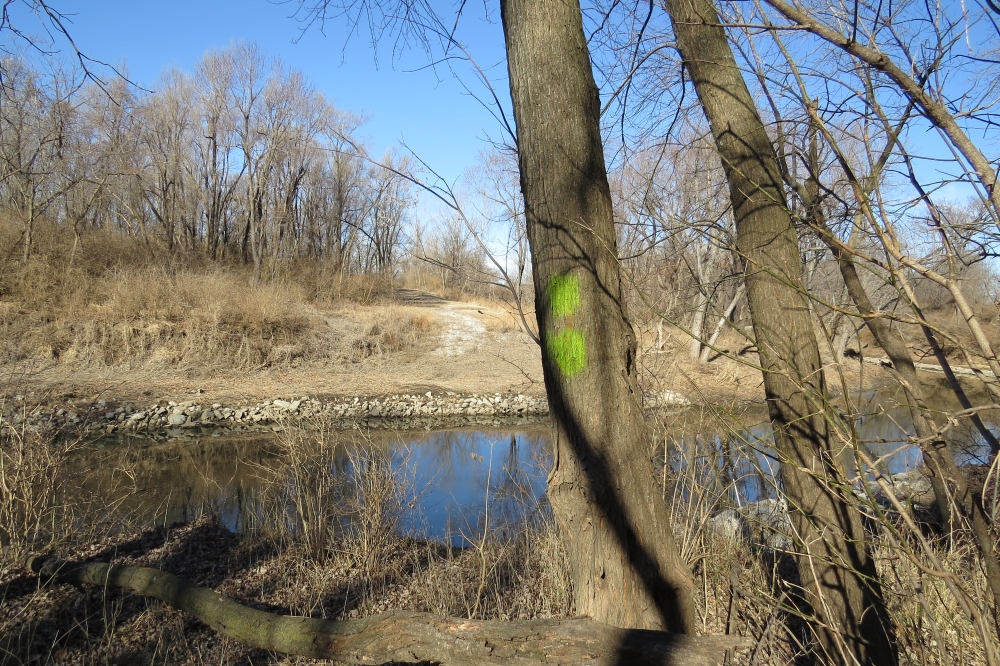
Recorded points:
415,344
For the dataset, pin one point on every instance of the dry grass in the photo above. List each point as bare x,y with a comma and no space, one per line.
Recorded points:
750,588
325,541
45,501
391,329
334,525
116,301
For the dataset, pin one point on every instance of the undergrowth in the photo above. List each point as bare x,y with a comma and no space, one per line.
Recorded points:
325,539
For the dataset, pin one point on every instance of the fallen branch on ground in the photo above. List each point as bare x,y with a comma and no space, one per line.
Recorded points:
401,636
930,367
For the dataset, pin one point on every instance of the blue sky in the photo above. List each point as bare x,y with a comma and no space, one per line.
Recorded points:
403,98
428,110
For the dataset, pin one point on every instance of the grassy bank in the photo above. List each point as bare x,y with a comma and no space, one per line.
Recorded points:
115,301
325,540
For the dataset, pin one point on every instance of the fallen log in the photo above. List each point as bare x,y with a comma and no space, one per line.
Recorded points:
930,367
401,636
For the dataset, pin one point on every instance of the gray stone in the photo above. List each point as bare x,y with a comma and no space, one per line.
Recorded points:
727,525
911,483
176,419
764,523
769,523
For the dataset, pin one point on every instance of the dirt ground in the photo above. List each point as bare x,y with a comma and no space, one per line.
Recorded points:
468,348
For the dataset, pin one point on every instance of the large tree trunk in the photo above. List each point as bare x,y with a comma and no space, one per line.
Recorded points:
401,636
625,567
838,574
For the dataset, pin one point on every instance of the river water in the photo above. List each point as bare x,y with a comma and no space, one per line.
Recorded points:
448,481
452,483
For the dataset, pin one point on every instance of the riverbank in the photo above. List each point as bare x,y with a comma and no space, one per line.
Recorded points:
171,419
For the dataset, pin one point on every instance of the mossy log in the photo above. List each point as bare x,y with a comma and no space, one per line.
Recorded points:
400,636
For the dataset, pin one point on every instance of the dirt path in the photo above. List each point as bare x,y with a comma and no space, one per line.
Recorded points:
467,348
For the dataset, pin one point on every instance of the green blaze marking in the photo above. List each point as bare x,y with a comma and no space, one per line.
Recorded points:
569,351
564,295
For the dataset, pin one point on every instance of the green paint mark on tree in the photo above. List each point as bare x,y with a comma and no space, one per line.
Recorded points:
569,351
564,295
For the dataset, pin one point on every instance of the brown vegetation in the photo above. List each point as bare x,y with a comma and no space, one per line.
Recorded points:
119,302
328,547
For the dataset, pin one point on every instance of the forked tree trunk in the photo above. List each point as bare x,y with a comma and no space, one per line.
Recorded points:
624,565
838,574
697,325
706,353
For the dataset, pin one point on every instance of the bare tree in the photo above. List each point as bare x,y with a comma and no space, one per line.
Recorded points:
35,125
839,575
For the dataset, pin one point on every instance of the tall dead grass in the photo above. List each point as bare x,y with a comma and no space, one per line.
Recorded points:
46,500
326,541
331,522
112,300
747,584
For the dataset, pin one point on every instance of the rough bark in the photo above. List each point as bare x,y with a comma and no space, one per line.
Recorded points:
400,636
624,565
838,574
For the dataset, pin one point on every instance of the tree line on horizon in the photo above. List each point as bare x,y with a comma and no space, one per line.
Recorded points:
242,160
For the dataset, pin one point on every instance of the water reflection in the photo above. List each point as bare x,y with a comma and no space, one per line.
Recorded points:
470,481
739,463
460,482
463,482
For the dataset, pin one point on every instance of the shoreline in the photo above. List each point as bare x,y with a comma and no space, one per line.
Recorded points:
169,419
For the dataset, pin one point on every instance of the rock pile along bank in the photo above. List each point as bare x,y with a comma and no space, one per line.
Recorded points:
102,418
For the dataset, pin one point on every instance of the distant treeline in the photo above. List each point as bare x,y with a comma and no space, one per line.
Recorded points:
242,160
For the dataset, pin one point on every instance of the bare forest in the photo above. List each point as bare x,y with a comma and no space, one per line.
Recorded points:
716,236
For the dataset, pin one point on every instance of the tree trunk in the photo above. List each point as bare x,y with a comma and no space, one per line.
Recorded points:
401,636
625,567
838,574
946,477
706,353
29,228
697,324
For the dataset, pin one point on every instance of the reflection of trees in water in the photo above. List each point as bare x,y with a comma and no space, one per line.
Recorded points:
720,467
510,494
311,478
162,483
886,426
465,476
705,470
